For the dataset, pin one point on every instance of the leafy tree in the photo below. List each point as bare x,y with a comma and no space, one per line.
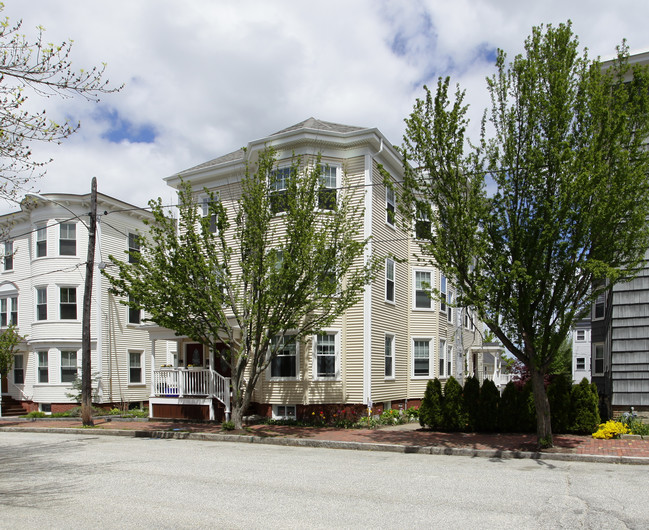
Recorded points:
430,411
244,277
44,69
488,407
453,413
565,135
585,403
472,402
9,341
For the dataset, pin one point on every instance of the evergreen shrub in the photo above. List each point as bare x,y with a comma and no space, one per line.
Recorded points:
488,407
585,402
471,402
453,413
430,411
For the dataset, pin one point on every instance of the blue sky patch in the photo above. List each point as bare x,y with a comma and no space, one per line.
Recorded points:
119,129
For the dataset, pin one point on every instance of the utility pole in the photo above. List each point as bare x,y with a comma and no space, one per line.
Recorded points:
86,375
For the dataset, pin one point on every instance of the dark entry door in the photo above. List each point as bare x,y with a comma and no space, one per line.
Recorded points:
194,355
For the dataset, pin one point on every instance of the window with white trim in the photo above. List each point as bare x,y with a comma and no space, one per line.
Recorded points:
135,368
133,248
389,280
598,354
599,308
422,296
68,239
285,364
423,226
445,359
581,335
442,292
8,311
19,370
449,306
43,367
284,412
134,315
205,207
41,303
327,353
580,363
390,206
9,256
68,366
421,355
68,303
389,356
279,183
328,187
41,241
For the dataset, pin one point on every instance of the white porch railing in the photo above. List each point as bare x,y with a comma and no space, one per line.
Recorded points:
498,379
183,382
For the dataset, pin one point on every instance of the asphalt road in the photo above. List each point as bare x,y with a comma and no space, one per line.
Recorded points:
86,481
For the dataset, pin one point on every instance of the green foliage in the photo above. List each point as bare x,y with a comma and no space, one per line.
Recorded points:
488,407
453,413
412,413
567,134
34,66
636,426
227,426
76,388
559,396
508,413
256,275
430,411
585,403
9,341
36,414
392,417
527,409
471,396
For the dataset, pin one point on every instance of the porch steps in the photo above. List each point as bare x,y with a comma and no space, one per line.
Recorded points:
12,407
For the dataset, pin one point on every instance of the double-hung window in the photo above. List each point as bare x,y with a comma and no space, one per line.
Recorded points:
442,292
390,206
205,206
389,280
328,185
284,364
68,303
134,314
41,241
9,256
43,368
389,356
133,248
68,239
135,368
598,353
68,366
580,363
19,370
445,359
9,311
41,303
421,357
423,226
600,306
326,356
449,308
279,183
422,290
581,335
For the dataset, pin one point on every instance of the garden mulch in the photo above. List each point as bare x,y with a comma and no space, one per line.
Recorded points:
408,435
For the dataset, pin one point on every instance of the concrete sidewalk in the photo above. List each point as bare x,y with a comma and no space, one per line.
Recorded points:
409,438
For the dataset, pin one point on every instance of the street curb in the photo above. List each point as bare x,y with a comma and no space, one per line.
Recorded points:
335,444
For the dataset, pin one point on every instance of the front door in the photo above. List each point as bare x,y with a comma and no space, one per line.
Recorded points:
194,355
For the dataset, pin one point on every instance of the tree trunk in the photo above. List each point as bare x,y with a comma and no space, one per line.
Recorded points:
542,406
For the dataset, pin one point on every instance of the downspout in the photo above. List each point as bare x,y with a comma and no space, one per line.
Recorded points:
98,320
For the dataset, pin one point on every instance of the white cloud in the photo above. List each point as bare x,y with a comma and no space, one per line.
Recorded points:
208,76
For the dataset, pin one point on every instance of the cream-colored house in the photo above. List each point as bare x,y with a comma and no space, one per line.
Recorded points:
42,275
380,353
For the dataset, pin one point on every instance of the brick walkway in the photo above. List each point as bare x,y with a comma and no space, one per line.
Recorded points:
403,435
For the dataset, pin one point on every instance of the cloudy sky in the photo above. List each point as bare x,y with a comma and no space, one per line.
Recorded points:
204,77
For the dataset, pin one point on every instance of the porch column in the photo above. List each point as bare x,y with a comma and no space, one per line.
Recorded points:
151,371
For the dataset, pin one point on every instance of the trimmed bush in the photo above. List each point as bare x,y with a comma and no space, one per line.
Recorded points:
453,413
585,402
430,411
559,393
527,409
488,407
508,412
471,403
